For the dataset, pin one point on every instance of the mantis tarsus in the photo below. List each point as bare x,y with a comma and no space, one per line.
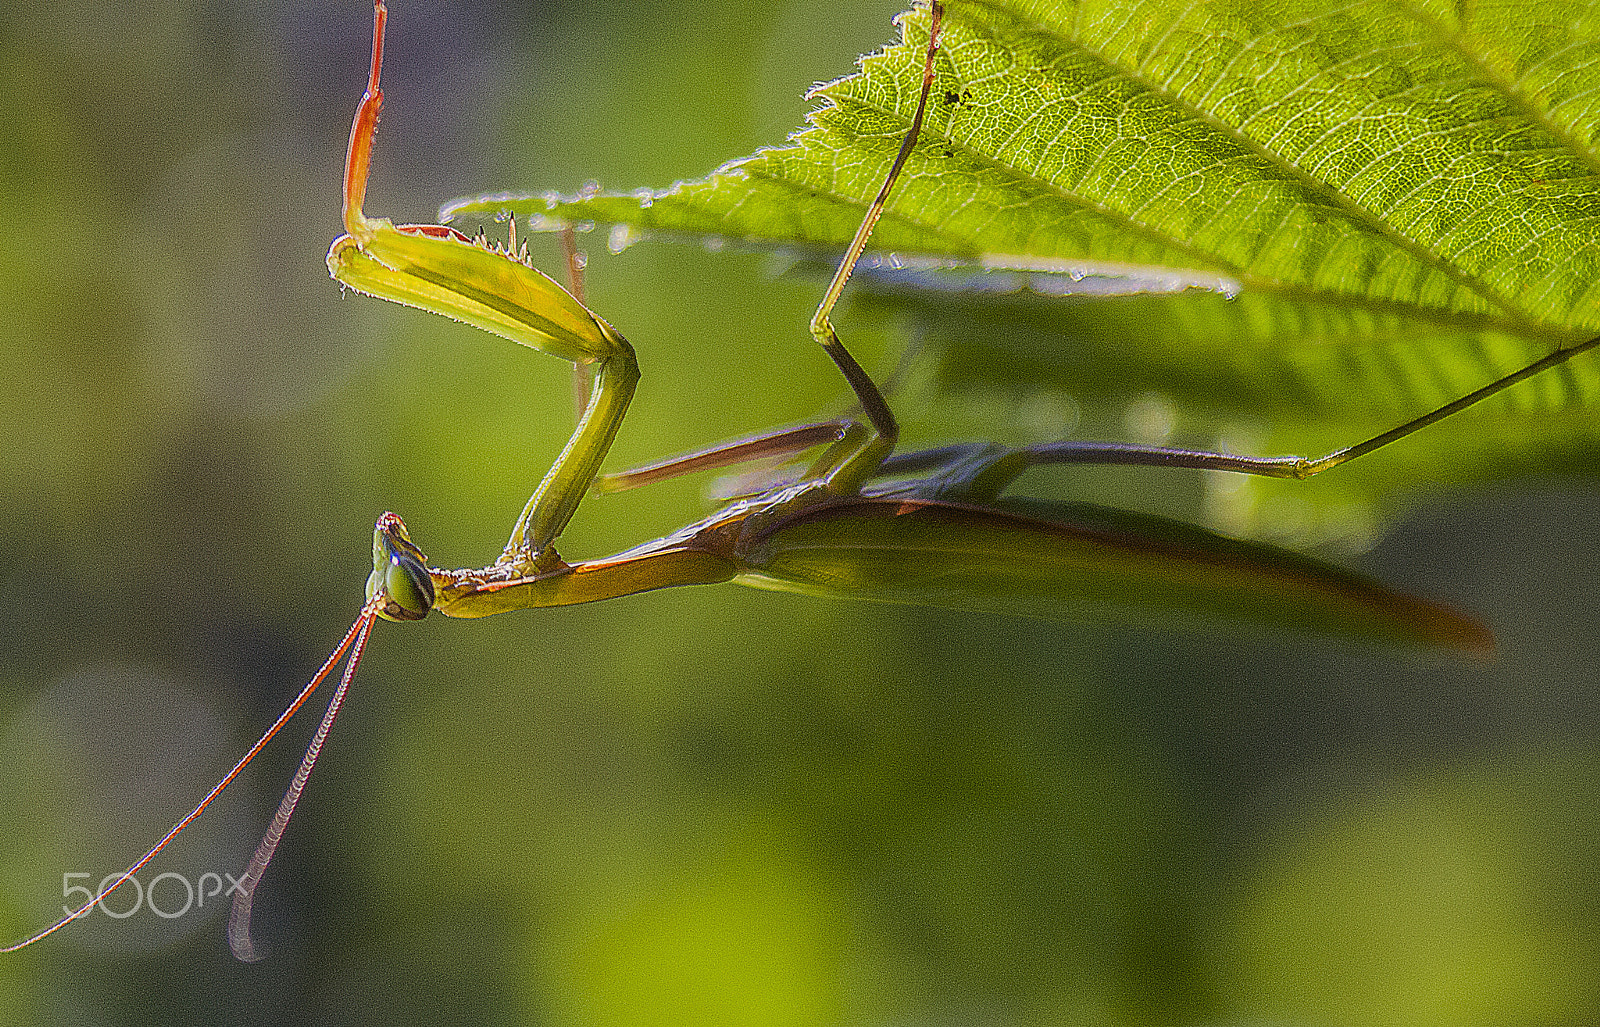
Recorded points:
858,520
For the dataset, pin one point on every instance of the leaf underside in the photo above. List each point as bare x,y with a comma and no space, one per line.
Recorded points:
1313,220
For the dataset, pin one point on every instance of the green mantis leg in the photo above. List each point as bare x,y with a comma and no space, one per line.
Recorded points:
853,450
853,467
979,472
436,268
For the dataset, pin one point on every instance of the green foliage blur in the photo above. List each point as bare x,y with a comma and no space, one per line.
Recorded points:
707,806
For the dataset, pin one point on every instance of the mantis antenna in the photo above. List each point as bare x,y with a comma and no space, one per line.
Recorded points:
354,640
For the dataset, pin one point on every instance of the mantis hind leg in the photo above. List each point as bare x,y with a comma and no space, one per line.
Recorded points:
979,472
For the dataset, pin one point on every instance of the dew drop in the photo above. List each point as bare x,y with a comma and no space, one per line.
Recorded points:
620,238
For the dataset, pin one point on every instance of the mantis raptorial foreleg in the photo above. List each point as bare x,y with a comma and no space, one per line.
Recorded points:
437,268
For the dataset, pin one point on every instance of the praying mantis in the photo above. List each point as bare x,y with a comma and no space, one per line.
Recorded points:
859,520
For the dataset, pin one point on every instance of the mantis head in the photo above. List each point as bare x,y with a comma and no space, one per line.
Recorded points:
400,582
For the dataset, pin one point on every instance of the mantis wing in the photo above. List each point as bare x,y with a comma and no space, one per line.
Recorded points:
1081,561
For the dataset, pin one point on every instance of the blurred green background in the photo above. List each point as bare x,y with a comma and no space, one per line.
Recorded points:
704,806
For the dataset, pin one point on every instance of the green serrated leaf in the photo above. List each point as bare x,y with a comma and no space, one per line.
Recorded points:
1390,203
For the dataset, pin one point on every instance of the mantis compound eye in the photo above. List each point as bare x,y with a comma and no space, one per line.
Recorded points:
399,573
